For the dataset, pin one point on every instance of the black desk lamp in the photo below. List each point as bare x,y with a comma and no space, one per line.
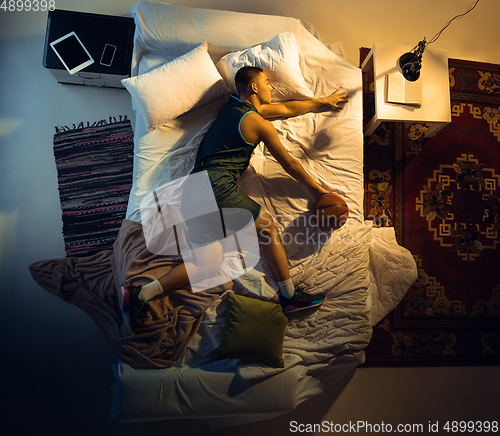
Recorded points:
411,62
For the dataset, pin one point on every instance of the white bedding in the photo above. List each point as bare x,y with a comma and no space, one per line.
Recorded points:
364,272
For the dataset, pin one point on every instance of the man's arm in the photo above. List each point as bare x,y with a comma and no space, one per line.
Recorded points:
264,131
300,107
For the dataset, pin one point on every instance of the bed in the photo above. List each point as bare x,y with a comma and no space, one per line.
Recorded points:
170,369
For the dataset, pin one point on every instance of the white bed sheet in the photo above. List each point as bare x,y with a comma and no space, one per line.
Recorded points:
319,349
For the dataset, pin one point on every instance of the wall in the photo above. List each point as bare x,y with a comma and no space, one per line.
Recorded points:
357,23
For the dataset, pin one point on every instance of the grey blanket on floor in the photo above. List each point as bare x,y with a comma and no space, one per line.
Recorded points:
92,284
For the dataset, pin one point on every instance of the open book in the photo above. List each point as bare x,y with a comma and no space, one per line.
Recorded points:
400,90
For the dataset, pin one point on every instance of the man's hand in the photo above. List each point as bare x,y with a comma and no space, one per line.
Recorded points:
334,100
300,107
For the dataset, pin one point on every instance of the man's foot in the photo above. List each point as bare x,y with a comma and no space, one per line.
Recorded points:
300,301
132,306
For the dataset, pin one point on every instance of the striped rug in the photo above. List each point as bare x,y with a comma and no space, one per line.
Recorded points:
94,168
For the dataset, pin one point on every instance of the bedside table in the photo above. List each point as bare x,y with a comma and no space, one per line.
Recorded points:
434,75
94,31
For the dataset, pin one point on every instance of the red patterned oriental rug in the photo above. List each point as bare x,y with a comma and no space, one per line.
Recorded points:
441,194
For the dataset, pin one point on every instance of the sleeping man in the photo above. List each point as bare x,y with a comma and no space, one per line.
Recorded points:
224,154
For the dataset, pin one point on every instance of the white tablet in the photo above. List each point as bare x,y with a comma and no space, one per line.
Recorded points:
72,53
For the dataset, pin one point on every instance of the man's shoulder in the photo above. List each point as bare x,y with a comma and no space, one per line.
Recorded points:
235,102
254,118
253,122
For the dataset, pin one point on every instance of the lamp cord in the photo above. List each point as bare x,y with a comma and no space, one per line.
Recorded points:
437,35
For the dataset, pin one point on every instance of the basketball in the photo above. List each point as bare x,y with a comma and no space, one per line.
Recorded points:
331,211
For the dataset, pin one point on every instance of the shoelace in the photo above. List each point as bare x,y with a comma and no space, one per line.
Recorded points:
301,298
145,304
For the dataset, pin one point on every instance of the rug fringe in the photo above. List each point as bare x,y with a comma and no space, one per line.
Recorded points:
81,125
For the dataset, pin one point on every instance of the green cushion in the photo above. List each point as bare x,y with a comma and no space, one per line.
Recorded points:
254,330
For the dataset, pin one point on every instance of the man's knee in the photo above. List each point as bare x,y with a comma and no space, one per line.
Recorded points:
265,223
209,260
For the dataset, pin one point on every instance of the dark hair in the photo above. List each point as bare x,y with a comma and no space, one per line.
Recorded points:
244,77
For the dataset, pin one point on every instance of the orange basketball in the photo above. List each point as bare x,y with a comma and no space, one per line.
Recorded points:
331,211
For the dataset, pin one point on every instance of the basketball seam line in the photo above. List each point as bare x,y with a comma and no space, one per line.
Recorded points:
329,205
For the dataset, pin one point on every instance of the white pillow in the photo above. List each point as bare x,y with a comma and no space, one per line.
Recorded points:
279,58
176,87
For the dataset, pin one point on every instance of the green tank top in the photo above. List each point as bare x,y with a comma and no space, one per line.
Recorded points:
223,147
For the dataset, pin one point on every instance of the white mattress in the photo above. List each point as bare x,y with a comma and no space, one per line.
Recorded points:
364,272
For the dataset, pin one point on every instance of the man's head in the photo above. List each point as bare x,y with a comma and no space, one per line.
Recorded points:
252,80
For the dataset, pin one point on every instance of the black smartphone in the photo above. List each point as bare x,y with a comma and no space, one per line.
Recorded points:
108,55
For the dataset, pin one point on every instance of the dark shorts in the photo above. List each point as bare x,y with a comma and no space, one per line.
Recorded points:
235,210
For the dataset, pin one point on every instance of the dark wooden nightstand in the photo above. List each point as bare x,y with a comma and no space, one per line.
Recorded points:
95,31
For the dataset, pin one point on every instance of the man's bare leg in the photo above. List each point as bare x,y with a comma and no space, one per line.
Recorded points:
176,278
270,241
208,261
292,300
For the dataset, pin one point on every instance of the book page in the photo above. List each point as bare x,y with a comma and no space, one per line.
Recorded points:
413,93
400,90
395,88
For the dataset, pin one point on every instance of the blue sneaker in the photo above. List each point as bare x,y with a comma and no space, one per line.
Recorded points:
300,301
132,306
